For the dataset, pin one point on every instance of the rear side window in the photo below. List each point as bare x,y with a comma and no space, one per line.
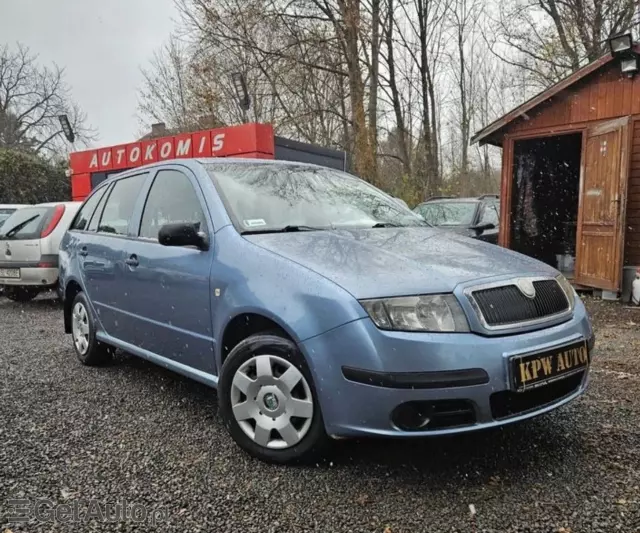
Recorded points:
448,213
97,213
489,215
171,199
81,221
25,223
120,204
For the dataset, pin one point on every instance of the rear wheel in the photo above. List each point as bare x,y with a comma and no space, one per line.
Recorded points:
20,294
89,350
268,401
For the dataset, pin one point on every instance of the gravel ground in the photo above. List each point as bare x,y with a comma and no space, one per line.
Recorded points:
137,435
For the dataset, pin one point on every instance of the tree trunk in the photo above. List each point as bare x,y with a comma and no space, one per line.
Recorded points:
435,129
552,9
464,109
365,165
429,170
374,80
395,95
347,144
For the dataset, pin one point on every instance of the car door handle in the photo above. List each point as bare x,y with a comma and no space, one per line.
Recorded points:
132,261
83,251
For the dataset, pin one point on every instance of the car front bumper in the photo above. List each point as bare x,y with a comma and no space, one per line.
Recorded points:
365,378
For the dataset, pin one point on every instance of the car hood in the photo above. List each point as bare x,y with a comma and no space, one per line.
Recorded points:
378,262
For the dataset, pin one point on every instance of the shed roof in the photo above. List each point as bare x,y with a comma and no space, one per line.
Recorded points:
484,135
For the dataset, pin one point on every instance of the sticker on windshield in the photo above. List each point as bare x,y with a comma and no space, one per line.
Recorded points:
252,223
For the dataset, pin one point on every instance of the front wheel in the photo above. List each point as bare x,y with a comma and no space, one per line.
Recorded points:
268,401
21,294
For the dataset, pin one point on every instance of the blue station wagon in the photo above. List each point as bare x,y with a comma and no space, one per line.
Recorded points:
317,305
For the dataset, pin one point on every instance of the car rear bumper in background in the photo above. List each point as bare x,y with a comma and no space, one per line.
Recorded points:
31,276
373,382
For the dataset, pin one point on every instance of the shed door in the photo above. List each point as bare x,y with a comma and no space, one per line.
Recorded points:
601,213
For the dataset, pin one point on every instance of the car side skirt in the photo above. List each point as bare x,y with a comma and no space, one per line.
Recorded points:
197,375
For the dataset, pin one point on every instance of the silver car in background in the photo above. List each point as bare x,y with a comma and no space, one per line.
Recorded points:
29,242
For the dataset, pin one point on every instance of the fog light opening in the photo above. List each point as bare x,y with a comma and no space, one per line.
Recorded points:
432,415
411,416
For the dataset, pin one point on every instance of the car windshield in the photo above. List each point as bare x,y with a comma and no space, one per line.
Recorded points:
276,197
448,213
22,223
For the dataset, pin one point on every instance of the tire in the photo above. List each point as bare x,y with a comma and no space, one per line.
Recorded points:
250,422
21,294
89,350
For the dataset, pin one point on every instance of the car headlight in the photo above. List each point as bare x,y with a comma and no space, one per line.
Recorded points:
568,289
434,313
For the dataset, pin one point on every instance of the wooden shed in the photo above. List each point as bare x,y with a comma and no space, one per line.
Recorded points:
570,187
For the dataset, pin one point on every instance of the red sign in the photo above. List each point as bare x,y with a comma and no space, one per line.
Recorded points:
119,157
248,140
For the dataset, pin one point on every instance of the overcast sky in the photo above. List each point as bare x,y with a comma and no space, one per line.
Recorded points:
101,44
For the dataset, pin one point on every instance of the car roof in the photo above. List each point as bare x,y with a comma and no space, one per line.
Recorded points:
49,204
13,206
467,199
188,162
239,161
247,161
452,201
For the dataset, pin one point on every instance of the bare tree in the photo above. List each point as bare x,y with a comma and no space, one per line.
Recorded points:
292,73
420,35
468,59
374,75
295,56
179,90
400,84
31,99
346,18
401,134
553,37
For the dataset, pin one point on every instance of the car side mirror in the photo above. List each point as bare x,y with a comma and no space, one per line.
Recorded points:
183,234
479,228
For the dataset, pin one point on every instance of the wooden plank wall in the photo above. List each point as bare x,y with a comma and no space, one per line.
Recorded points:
632,230
602,95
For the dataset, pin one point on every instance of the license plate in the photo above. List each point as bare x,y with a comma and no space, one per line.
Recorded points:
533,370
9,273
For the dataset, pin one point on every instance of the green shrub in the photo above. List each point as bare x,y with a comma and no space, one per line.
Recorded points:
28,179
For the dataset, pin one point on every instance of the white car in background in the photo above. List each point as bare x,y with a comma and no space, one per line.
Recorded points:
6,210
29,242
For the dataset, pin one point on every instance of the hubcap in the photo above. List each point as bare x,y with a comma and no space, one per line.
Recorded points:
80,328
271,401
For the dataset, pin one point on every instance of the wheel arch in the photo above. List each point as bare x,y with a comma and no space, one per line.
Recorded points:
71,290
249,322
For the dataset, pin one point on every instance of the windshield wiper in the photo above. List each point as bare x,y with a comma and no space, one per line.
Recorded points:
17,228
387,225
286,229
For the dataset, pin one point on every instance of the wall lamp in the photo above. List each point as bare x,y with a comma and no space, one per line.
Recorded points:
621,47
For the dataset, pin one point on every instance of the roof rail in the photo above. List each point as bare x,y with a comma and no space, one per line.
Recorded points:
438,198
483,196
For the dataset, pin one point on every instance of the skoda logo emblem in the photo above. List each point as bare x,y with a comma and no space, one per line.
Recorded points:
526,287
271,401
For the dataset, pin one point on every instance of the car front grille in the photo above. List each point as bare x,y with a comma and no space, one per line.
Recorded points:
507,305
